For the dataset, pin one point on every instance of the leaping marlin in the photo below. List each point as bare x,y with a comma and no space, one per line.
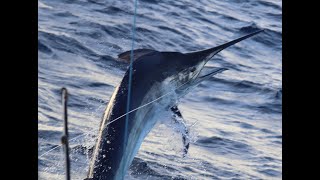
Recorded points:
154,75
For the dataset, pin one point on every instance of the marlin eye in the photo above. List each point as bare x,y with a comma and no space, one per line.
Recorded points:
192,69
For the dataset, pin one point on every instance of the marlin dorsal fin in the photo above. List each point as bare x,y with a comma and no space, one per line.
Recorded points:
125,56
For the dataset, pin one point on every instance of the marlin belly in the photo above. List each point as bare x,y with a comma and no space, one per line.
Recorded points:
145,122
112,157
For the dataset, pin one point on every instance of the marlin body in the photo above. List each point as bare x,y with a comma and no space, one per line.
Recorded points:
155,75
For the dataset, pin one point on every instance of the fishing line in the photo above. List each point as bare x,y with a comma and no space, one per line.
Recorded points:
130,75
168,93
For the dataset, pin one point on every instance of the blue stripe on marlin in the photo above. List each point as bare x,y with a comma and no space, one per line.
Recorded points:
154,74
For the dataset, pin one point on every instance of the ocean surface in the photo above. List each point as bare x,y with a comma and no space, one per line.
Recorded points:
235,118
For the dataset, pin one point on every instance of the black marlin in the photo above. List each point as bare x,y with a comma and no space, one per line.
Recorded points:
155,74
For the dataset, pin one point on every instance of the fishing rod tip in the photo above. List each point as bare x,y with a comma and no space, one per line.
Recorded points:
64,90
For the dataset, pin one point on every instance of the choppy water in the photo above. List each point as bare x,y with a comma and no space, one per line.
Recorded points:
237,114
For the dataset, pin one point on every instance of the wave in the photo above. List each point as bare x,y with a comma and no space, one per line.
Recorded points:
43,48
269,37
270,4
114,11
141,169
223,145
245,86
42,5
64,43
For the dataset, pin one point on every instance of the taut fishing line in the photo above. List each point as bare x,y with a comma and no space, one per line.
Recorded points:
133,110
130,76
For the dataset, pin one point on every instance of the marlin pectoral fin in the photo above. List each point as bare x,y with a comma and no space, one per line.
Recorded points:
125,56
179,121
210,71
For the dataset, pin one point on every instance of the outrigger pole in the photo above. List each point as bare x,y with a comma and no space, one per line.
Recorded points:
64,138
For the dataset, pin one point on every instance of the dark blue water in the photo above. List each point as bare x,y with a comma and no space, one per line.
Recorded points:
235,118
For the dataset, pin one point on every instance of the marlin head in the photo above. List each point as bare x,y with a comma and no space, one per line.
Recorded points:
187,68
